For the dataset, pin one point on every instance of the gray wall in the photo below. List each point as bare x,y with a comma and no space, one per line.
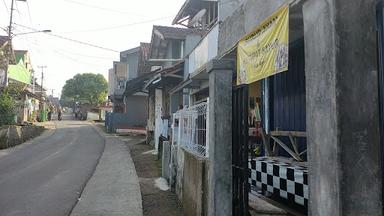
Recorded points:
194,185
244,19
342,107
133,64
227,7
190,43
136,110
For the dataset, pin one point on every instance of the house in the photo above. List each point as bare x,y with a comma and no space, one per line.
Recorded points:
306,139
168,48
20,74
178,99
119,75
129,109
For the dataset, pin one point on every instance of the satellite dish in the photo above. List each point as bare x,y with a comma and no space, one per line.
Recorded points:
197,17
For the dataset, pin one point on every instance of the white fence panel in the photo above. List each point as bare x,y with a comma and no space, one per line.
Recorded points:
190,129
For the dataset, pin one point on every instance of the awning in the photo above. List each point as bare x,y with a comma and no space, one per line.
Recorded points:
189,83
167,74
19,73
136,85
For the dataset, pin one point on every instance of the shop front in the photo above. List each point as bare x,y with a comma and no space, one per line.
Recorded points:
269,113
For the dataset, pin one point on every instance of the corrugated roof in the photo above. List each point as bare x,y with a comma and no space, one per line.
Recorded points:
177,33
136,85
190,8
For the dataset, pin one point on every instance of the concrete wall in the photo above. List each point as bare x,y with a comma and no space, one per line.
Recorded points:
180,172
342,108
14,135
204,51
243,20
194,185
151,110
227,7
121,70
190,43
165,160
136,108
111,82
133,64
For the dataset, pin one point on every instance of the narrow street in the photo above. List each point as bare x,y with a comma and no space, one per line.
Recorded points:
46,176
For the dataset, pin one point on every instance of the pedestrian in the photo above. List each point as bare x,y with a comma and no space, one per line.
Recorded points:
49,115
59,114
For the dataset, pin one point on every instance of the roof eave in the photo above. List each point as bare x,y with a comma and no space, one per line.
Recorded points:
180,13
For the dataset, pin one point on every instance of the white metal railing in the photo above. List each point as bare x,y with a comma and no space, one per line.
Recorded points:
190,129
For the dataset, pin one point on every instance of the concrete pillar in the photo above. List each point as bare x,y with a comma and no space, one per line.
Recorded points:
342,107
220,137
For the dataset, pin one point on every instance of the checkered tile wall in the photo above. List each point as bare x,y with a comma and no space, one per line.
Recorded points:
287,180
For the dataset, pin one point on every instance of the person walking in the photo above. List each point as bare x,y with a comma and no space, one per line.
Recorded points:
59,114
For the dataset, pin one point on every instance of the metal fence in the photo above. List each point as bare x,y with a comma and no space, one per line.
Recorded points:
190,129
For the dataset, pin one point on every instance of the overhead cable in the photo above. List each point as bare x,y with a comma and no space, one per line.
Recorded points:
103,8
118,26
70,39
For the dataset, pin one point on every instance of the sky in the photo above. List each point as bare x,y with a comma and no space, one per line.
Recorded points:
115,25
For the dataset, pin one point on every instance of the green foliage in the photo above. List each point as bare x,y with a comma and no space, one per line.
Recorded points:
9,102
87,88
7,108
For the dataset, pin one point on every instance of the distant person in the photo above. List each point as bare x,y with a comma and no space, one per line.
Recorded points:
49,115
59,114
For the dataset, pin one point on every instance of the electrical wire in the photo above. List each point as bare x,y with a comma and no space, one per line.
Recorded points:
17,9
70,39
118,26
29,13
103,8
6,7
60,52
76,60
87,56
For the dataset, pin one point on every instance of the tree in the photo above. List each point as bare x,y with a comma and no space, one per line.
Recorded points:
86,88
9,102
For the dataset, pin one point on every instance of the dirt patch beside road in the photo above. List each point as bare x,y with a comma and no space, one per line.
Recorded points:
155,201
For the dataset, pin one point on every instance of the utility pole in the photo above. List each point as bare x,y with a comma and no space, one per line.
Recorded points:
42,76
9,50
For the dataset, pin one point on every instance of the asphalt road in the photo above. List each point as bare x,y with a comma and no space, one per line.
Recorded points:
46,177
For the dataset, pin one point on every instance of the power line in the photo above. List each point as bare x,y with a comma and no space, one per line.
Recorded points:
29,13
119,26
76,60
18,11
88,56
103,8
58,53
61,52
6,7
70,39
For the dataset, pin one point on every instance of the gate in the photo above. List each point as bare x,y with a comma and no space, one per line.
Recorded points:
240,185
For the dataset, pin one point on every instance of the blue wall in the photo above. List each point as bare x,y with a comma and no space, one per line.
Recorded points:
287,93
287,97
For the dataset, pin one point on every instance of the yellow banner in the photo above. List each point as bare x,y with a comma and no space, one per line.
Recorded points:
264,52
